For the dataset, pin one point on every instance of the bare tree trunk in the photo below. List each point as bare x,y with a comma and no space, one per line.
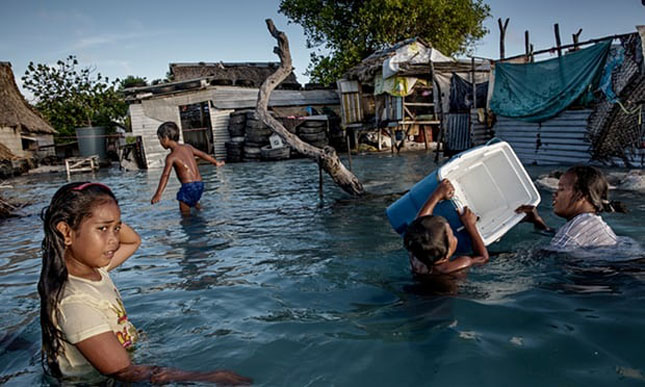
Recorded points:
326,157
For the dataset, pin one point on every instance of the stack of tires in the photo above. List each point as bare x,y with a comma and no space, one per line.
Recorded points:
268,153
235,150
314,133
236,129
256,136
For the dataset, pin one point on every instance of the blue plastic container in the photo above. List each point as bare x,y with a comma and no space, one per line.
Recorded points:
402,212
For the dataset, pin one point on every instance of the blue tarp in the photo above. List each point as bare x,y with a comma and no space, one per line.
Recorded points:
535,92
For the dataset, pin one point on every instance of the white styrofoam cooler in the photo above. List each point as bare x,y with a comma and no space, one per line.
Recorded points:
488,179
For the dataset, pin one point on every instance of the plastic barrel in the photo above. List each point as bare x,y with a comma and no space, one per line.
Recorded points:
403,211
91,141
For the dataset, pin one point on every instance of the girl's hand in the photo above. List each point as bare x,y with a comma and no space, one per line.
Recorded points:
445,190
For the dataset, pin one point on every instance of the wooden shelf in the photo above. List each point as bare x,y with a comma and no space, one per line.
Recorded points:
434,122
418,104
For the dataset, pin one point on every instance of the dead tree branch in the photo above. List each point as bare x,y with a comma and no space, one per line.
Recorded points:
326,157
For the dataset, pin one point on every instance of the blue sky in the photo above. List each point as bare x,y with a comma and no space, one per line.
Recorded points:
141,37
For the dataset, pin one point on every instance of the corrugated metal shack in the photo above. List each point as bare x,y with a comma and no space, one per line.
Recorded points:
609,128
406,89
202,105
23,131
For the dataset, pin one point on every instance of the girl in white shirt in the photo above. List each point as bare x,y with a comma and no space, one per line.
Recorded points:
85,327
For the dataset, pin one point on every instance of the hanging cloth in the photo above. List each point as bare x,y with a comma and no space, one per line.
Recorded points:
535,92
461,94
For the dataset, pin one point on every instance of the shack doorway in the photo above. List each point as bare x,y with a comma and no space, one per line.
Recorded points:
196,126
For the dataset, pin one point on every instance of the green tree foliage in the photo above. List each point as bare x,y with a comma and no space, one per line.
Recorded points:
132,81
70,97
346,31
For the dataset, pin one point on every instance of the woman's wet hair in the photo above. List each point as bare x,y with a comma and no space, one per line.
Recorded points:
427,239
168,130
72,203
591,184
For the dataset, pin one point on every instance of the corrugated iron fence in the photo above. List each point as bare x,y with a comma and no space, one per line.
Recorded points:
560,140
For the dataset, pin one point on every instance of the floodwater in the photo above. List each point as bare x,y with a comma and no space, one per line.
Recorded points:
277,286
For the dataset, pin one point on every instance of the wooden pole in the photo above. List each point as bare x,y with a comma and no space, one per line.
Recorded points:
502,34
558,43
472,67
590,41
349,150
527,44
470,121
576,38
425,135
320,181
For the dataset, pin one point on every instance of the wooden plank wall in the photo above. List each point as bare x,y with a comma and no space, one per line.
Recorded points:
146,127
245,98
10,137
560,140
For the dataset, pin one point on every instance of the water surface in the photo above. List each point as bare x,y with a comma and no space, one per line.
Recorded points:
272,283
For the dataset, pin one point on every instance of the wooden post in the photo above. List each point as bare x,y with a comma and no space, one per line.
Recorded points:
576,38
558,43
474,107
349,150
472,67
425,135
378,139
532,55
320,181
527,45
502,34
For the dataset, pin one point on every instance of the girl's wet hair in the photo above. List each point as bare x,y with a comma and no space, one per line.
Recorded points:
427,239
591,184
72,203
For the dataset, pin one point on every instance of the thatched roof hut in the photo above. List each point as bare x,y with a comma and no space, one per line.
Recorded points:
5,153
15,112
248,74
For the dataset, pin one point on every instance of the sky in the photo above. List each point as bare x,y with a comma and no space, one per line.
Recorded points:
141,37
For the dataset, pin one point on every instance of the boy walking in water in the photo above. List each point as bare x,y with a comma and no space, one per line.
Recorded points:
182,159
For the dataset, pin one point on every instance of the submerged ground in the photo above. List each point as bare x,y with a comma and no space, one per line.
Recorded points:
273,284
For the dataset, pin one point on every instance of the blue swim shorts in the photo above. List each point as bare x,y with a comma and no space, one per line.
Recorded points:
190,193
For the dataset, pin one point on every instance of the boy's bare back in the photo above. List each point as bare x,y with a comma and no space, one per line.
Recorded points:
182,159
